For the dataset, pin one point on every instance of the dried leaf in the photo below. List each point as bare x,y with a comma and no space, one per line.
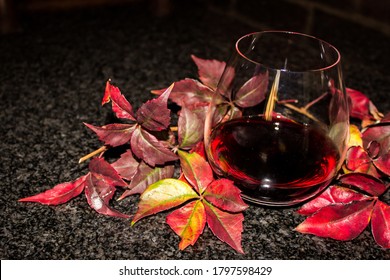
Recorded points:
380,224
253,91
99,193
364,182
196,170
383,164
188,222
59,194
339,221
190,127
113,134
126,165
332,195
357,160
147,147
120,106
104,172
145,176
379,133
226,226
154,114
355,136
163,195
223,194
362,107
189,93
210,71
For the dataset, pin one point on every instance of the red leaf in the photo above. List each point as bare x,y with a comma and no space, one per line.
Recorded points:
358,160
99,193
223,194
196,170
59,194
147,147
226,226
189,93
383,164
113,134
145,176
120,106
379,133
364,182
126,165
253,91
339,221
210,71
188,222
362,108
154,114
332,195
103,171
380,224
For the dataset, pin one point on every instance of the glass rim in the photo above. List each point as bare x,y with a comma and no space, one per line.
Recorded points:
337,61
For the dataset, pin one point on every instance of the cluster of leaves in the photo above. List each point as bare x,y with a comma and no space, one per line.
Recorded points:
348,206
197,197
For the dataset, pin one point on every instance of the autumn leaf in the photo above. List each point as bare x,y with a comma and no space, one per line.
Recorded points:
364,182
98,194
120,106
362,107
113,134
126,165
209,71
188,222
332,195
59,194
154,114
380,224
339,221
100,187
196,170
190,127
358,160
146,176
163,195
147,147
253,91
189,93
226,226
223,194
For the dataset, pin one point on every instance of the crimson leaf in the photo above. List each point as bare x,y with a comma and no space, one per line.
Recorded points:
147,147
380,224
120,106
113,134
154,114
364,182
59,194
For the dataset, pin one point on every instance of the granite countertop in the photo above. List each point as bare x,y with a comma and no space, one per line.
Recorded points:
52,78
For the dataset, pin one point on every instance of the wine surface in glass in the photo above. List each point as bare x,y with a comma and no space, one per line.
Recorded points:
276,162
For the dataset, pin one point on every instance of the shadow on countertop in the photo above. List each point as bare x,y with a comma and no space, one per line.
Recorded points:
52,75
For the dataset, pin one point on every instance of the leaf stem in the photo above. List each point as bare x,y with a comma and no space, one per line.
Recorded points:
92,154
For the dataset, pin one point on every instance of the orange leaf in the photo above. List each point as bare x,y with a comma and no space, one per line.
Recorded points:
188,222
163,195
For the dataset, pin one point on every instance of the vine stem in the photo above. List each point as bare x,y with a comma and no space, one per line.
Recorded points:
273,96
94,153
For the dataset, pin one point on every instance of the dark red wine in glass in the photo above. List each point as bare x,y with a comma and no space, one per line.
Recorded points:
273,160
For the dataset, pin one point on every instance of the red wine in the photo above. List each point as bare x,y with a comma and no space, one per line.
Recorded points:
276,162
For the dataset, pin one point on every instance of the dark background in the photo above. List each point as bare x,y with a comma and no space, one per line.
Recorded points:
55,57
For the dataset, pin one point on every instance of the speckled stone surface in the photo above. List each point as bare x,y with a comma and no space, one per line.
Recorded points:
52,77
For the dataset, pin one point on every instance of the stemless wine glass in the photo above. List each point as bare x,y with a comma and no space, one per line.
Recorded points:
278,124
